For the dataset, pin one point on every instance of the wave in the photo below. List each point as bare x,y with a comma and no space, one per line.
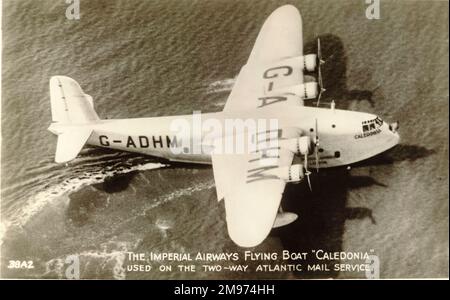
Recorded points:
164,225
180,193
110,253
219,86
37,202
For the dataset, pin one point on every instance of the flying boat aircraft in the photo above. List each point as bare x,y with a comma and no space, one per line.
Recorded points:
270,86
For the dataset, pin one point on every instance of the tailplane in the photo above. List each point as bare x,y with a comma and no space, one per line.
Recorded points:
70,142
72,115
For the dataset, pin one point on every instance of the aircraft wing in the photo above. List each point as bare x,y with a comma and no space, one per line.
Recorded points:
272,64
252,195
252,189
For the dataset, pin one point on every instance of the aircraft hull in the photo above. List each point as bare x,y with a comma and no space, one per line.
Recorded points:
342,138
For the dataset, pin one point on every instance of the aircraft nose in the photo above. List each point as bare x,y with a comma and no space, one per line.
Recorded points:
397,138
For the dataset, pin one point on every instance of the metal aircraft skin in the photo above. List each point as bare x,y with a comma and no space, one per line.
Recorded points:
270,86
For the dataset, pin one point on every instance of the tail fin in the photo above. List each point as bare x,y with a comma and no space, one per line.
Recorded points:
72,111
70,105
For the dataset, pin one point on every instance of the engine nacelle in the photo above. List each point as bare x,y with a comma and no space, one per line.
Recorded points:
309,62
308,90
305,145
301,145
293,173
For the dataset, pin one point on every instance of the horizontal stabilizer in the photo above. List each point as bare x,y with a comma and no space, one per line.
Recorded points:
70,143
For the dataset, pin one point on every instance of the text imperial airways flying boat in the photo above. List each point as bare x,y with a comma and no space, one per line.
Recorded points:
270,86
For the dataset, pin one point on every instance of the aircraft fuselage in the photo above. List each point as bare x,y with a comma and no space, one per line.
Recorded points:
345,137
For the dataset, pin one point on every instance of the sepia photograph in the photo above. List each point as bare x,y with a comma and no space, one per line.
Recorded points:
224,139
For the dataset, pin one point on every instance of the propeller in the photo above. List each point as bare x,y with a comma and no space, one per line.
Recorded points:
316,146
307,172
319,72
316,154
306,152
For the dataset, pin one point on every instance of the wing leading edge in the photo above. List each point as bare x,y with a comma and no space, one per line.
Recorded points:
252,187
272,64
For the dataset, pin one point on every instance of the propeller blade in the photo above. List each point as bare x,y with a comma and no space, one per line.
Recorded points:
318,98
321,89
319,77
319,53
306,162
307,172
319,72
309,180
316,127
317,161
316,146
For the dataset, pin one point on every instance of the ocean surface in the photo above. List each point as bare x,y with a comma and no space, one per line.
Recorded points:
155,58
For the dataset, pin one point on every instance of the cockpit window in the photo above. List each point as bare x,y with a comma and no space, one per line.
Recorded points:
379,121
372,124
